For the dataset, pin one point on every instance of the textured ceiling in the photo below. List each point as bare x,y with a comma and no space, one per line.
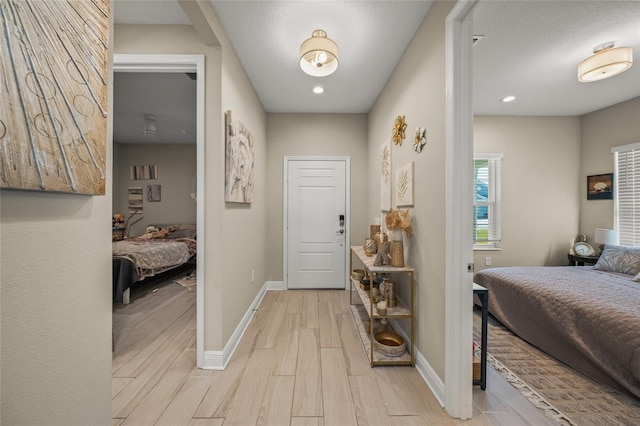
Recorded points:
371,36
149,12
530,49
171,97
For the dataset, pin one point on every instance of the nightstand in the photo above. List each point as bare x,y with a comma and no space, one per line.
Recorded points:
576,260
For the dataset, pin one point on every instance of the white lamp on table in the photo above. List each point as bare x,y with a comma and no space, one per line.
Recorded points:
605,236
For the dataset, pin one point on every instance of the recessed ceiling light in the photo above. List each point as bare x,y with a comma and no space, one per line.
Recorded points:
509,98
317,90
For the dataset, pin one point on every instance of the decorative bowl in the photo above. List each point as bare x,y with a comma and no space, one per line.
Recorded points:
388,343
357,274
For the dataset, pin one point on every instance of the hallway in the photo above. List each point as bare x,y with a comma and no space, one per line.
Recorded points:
300,362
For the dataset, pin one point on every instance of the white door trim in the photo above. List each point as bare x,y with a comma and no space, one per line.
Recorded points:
458,233
183,63
285,204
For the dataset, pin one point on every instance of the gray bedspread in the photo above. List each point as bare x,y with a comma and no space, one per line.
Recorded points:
587,319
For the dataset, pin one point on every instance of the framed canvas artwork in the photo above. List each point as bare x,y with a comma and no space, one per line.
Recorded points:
600,187
53,108
143,172
135,199
239,162
153,193
404,185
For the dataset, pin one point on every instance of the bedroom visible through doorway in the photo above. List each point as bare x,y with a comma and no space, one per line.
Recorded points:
158,161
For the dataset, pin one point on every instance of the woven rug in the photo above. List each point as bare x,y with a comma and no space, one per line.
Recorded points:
188,282
563,393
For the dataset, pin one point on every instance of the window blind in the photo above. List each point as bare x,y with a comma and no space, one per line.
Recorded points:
487,199
627,194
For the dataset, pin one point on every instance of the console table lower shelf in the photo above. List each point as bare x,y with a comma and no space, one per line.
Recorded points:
361,317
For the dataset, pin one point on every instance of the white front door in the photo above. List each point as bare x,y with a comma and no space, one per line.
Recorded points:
316,224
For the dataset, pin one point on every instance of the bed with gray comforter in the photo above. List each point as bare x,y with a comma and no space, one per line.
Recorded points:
585,317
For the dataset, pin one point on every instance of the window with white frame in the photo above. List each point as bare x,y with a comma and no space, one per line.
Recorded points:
626,189
486,201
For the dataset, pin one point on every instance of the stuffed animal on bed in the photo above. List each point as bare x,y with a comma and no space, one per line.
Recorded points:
153,232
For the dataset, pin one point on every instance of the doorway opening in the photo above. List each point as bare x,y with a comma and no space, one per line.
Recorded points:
192,65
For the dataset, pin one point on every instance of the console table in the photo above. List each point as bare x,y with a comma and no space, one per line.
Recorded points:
363,310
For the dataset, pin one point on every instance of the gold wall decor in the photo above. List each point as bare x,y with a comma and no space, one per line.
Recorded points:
53,101
385,176
399,128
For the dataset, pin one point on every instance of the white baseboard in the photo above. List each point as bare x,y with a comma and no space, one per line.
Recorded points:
430,377
218,360
275,285
427,373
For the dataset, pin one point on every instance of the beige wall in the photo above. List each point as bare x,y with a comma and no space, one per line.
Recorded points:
56,258
416,90
228,261
570,148
242,225
540,204
56,307
601,130
55,300
314,135
176,168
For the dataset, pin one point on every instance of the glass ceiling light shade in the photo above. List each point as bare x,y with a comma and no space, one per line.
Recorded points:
319,55
606,62
150,127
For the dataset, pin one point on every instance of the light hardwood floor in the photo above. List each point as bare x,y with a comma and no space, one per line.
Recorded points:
300,362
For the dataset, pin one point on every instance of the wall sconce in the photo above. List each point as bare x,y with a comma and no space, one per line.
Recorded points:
606,62
319,55
150,126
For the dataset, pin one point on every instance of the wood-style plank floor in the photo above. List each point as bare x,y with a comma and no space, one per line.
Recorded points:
300,362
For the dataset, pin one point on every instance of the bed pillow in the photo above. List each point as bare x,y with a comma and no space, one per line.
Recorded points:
621,259
183,233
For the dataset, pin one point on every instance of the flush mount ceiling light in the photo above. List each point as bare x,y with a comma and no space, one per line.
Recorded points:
318,90
150,127
509,98
319,55
606,62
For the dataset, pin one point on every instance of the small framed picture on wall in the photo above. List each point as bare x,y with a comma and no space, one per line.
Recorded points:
600,187
153,192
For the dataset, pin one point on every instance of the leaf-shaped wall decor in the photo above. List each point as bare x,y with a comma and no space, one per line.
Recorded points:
385,176
404,185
